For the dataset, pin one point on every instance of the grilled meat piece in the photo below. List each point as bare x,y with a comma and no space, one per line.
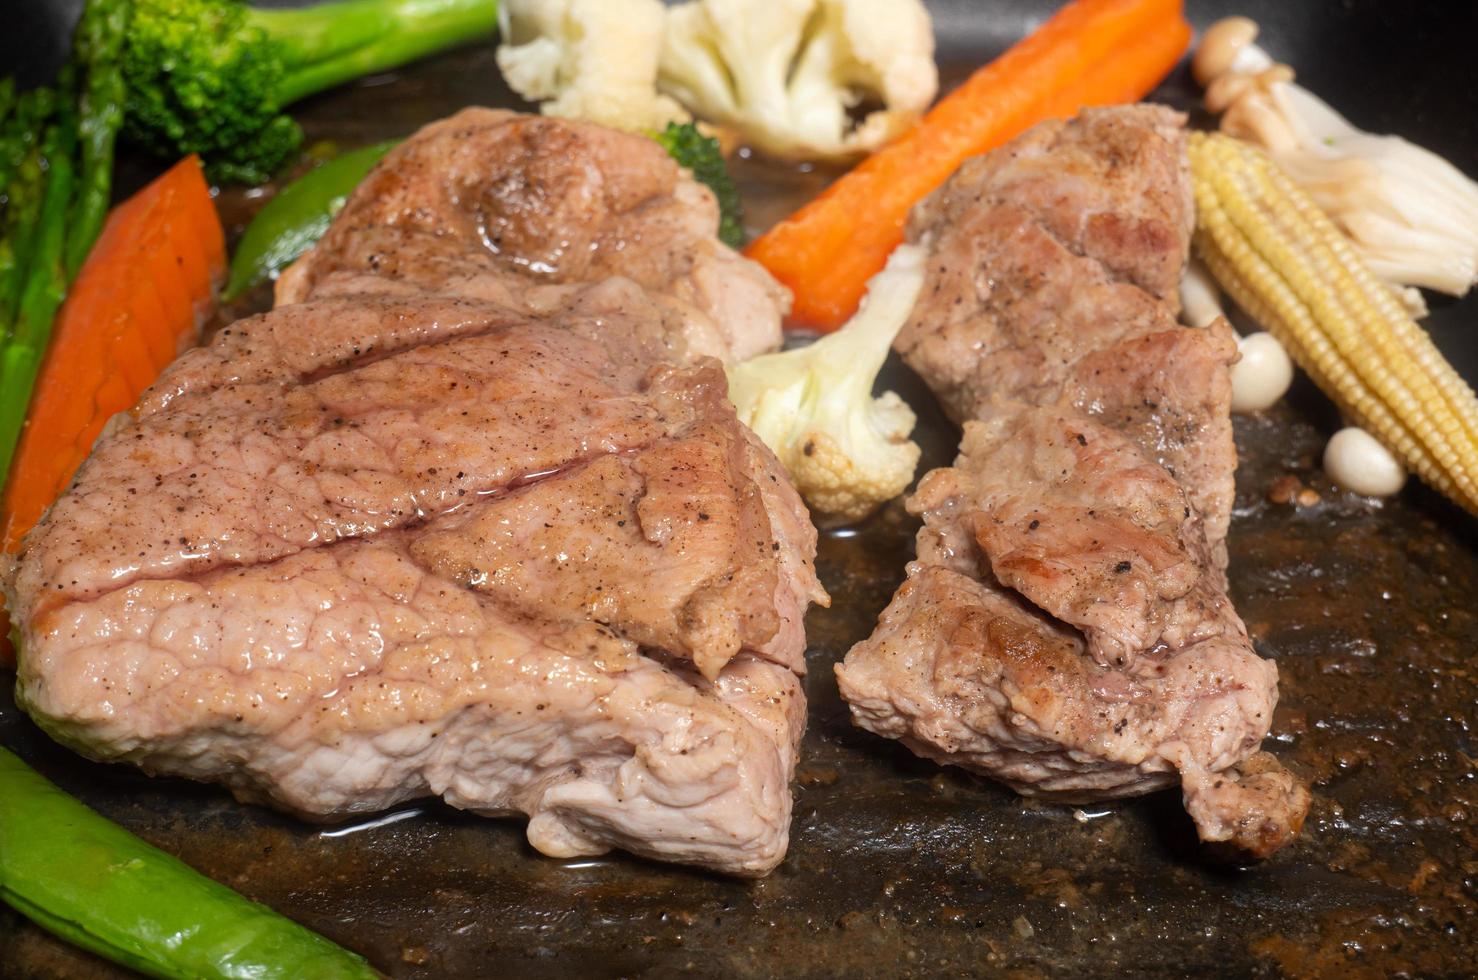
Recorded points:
505,544
1065,241
1088,528
1170,393
1066,628
509,207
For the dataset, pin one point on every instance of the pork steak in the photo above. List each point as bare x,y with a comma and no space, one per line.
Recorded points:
446,524
1065,627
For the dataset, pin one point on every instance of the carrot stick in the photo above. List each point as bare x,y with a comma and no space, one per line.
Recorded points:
1092,52
1130,74
142,293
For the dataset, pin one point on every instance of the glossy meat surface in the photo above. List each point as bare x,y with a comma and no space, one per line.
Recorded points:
1066,627
497,541
568,202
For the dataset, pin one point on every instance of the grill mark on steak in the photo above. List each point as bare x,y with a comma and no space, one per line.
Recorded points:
1066,628
287,466
331,335
1074,517
448,529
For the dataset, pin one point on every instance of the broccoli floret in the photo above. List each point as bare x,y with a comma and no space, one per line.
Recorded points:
701,154
212,76
846,451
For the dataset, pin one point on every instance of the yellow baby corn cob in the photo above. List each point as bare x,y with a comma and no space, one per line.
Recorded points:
1290,268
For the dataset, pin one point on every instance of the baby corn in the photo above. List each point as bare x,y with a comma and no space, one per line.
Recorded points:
1290,268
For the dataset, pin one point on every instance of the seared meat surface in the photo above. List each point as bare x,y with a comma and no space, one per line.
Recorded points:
566,202
1057,245
468,535
1066,628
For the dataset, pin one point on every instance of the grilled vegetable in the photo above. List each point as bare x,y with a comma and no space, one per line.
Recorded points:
1289,267
1091,52
98,44
289,224
26,179
96,885
10,104
43,284
212,76
1356,461
1411,215
138,299
588,59
56,198
799,79
702,155
846,451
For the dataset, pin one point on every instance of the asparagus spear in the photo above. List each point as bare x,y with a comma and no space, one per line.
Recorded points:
53,229
99,42
14,124
44,281
7,104
22,149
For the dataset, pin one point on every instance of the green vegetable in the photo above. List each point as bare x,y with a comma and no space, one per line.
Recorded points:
44,281
21,155
12,145
56,199
7,100
98,44
212,76
289,224
701,154
94,884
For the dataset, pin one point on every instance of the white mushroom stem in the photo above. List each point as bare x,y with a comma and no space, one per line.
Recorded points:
1263,373
1200,299
1411,215
1355,460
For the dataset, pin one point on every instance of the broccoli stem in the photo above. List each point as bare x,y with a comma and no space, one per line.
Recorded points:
333,43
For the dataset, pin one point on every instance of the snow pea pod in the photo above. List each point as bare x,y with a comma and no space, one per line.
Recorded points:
289,224
98,886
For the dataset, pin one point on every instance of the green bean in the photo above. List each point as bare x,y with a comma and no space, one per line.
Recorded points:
98,886
289,224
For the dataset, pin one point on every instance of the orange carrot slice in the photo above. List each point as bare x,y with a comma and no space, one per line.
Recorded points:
1092,52
142,294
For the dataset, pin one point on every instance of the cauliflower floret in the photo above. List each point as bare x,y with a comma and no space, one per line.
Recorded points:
790,75
588,59
847,452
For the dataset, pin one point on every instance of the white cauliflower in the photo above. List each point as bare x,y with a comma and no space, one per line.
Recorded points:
792,75
846,451
588,59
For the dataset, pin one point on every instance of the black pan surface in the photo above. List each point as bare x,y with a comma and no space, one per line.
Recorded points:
898,867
